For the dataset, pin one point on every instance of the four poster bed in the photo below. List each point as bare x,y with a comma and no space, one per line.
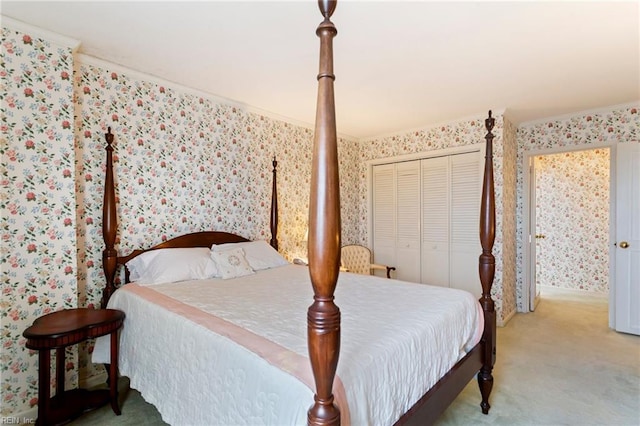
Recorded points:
231,346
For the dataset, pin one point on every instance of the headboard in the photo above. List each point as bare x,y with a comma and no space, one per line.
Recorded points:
110,258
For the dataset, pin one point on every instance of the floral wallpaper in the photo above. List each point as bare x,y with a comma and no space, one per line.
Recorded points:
183,156
184,162
38,203
572,213
617,125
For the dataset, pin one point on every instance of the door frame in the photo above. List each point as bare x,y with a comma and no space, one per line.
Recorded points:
529,290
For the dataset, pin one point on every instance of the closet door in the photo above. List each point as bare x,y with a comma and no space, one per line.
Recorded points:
384,214
465,248
426,217
408,221
435,221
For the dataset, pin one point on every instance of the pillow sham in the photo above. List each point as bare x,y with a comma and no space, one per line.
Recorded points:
171,265
231,263
259,254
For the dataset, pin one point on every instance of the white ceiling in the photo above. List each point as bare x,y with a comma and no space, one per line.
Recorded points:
398,65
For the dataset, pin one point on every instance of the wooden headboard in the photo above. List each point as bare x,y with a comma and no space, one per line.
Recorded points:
110,259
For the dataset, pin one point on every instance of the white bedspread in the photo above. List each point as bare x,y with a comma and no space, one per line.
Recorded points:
397,340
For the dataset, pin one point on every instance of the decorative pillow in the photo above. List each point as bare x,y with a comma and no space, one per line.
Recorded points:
259,254
231,263
172,265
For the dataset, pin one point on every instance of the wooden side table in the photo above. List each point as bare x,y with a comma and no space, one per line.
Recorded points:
58,330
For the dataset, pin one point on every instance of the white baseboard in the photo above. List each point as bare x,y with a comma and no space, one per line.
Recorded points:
560,290
502,323
93,381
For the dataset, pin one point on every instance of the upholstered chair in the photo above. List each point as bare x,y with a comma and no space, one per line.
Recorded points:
357,259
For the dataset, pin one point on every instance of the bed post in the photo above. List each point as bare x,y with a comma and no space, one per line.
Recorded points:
109,224
487,266
274,207
323,317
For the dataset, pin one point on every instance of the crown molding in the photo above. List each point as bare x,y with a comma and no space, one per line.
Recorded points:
111,66
599,110
495,113
38,32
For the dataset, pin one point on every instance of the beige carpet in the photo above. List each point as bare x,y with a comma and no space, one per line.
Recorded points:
560,365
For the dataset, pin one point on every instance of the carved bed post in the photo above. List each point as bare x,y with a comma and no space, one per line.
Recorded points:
274,207
487,267
323,317
109,224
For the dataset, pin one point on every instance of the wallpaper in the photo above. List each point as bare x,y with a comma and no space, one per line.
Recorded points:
185,157
572,213
618,125
38,205
183,161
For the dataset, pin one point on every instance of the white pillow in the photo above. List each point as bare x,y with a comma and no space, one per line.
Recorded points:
259,254
172,265
231,263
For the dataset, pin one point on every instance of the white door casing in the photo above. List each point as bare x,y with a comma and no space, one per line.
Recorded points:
531,237
531,227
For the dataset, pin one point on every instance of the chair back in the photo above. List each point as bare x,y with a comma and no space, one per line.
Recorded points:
356,259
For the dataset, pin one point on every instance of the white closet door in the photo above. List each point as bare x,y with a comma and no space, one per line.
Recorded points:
425,219
384,214
465,175
407,221
435,221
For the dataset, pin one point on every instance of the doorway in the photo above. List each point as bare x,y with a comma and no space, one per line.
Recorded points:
569,221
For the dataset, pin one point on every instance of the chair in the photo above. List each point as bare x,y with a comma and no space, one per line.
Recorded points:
357,259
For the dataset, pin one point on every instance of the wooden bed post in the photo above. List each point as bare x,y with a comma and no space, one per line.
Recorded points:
109,224
487,267
323,317
274,207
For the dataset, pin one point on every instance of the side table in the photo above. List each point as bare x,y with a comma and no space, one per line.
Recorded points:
58,330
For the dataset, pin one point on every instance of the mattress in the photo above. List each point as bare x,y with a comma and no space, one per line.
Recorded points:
234,351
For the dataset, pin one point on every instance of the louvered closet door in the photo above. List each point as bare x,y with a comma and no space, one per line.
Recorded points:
384,214
425,219
466,187
435,221
408,221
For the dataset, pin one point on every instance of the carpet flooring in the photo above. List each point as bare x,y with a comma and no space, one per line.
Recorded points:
560,365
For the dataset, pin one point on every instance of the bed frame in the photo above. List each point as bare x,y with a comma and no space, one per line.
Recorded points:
323,317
